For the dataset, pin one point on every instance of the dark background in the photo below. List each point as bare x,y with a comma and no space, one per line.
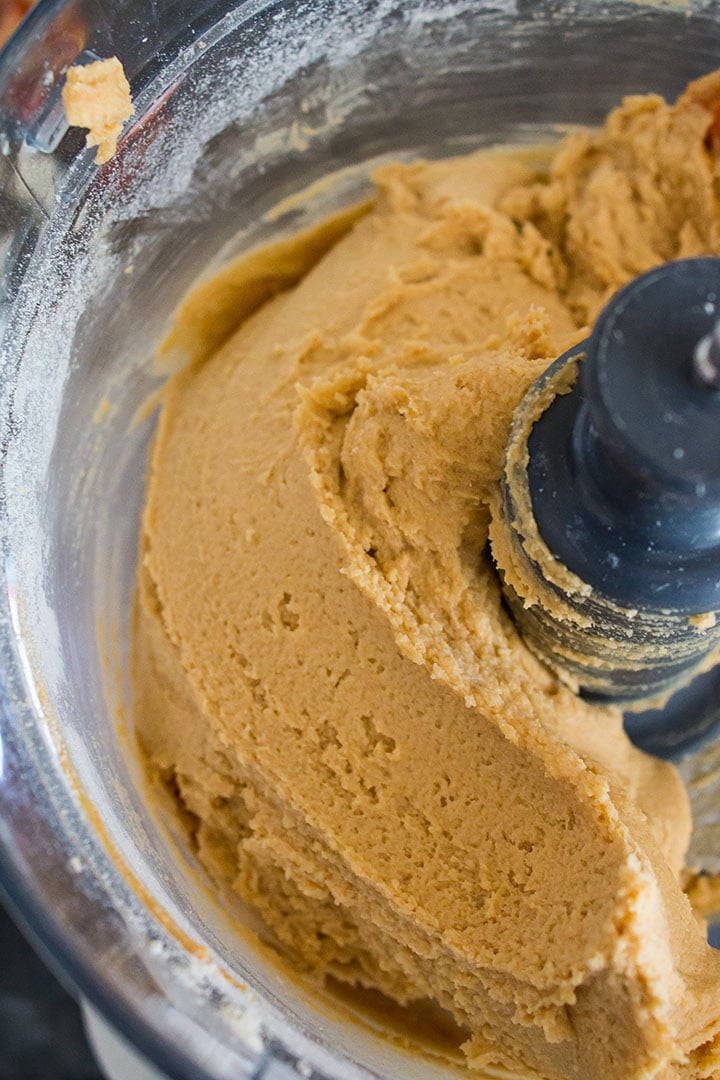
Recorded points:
41,1033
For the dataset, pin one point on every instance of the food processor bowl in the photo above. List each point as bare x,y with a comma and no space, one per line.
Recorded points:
238,108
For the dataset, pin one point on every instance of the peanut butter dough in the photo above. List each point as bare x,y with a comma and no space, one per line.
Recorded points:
327,682
97,97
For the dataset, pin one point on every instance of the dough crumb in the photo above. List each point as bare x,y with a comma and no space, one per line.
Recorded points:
703,892
97,97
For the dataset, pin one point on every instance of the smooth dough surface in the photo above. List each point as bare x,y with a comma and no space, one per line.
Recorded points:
327,683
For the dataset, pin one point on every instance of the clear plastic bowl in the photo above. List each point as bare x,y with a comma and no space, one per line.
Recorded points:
238,106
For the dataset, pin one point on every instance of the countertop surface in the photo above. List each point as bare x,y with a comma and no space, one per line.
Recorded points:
41,1033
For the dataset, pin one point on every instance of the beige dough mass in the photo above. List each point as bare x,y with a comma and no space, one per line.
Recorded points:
327,683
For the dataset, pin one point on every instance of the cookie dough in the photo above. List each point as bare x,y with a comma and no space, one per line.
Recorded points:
328,687
97,97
